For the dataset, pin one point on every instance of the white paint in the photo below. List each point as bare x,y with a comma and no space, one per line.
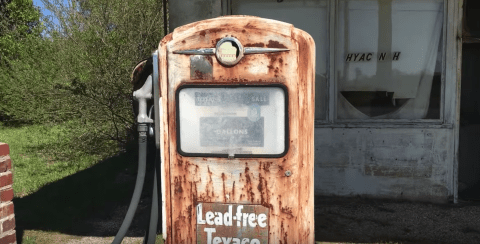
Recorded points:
260,67
226,219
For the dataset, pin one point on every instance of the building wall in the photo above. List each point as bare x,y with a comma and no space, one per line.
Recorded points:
412,163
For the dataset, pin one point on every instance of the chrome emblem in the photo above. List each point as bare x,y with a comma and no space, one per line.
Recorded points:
229,51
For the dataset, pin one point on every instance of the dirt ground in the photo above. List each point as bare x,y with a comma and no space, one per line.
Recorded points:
337,219
355,219
363,220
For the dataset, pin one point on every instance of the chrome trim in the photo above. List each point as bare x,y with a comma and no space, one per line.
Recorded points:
254,50
247,50
201,51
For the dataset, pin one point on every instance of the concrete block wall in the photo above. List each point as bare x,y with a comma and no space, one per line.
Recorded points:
7,216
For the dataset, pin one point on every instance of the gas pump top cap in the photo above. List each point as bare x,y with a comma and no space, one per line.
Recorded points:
229,51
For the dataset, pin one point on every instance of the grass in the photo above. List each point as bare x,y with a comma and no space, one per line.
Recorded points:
59,188
40,155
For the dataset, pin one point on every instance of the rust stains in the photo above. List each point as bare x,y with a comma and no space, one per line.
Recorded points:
265,166
201,76
166,39
215,30
264,193
288,211
209,191
189,212
178,185
249,26
248,185
258,44
275,44
224,191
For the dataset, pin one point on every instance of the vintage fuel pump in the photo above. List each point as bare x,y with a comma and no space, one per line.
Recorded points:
235,127
234,121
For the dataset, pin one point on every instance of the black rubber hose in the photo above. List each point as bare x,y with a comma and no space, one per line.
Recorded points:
151,234
142,161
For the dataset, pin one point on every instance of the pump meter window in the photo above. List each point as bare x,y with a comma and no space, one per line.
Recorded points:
232,121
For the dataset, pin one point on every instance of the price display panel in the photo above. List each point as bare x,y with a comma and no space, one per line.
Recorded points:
232,121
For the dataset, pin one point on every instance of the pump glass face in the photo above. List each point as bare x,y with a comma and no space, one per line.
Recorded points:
232,121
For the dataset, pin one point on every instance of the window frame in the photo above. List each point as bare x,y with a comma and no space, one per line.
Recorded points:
445,119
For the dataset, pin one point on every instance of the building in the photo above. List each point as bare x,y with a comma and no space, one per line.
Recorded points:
388,91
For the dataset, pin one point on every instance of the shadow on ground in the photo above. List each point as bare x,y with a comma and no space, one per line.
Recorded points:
92,202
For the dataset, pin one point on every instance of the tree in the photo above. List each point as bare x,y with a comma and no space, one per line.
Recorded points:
100,41
19,20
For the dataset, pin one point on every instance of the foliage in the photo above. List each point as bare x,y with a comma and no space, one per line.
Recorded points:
19,20
80,66
100,43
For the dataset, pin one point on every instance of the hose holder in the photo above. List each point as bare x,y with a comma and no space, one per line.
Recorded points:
141,95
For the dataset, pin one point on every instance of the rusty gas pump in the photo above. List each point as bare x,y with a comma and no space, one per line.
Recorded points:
235,128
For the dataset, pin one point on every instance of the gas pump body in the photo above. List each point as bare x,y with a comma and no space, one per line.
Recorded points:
260,190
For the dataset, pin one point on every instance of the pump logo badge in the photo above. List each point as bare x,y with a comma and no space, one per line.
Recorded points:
229,51
231,224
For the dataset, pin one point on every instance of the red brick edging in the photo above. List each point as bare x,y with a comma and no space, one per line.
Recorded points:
7,216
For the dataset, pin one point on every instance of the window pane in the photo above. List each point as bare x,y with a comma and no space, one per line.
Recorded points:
232,120
388,59
308,15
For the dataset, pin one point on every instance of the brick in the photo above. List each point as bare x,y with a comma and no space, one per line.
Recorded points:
6,194
8,224
8,238
6,210
6,179
5,163
4,149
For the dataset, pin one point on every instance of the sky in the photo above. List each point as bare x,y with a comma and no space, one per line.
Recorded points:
45,12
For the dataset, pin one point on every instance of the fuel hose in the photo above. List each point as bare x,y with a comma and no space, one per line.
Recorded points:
142,161
151,234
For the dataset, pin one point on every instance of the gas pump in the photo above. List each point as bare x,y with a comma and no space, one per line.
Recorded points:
234,128
236,132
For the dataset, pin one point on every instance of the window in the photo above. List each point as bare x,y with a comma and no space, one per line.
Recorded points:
310,16
387,62
388,57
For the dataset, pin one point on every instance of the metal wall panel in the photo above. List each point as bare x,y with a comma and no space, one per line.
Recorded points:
413,163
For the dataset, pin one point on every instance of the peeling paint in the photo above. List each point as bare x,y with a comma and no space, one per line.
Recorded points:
257,181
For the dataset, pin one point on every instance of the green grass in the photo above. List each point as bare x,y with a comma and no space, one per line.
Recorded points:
61,185
40,154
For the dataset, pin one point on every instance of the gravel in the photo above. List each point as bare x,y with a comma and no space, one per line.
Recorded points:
355,219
